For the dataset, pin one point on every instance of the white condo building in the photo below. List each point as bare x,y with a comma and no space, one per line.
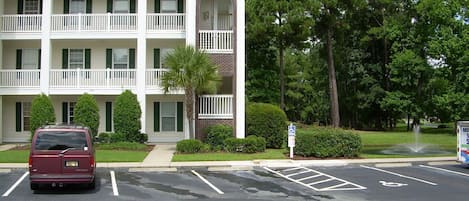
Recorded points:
65,48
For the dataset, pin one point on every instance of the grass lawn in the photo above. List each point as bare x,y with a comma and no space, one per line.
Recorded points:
222,156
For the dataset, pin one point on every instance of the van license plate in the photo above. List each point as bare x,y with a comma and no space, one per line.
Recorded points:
71,163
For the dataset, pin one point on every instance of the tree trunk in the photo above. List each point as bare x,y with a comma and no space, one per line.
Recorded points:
190,111
332,82
282,78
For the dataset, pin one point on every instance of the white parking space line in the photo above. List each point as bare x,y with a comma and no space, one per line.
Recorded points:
114,184
315,174
15,185
399,175
445,170
298,173
207,182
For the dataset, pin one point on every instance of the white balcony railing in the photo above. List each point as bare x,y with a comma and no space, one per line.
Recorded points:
165,22
19,78
153,77
96,78
94,22
21,23
216,107
216,41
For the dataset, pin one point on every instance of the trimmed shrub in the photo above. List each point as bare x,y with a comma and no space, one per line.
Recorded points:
127,115
117,137
217,134
87,112
189,146
327,142
104,137
42,112
267,121
251,144
130,146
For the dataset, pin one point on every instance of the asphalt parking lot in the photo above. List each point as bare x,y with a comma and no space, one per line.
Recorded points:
396,182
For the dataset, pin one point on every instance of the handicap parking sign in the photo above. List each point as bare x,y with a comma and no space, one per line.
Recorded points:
291,130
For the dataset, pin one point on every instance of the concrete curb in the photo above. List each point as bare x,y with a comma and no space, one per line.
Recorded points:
238,165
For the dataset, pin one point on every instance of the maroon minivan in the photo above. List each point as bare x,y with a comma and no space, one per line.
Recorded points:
62,154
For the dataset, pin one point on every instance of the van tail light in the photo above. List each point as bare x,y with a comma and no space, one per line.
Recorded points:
92,161
30,162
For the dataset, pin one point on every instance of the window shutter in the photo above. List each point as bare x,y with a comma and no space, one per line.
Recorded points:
64,112
40,6
20,6
39,59
18,116
156,116
64,58
109,6
131,58
157,6
156,59
89,6
87,58
179,113
66,6
180,6
108,116
19,58
108,58
132,6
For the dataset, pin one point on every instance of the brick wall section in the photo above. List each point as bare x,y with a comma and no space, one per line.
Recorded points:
225,62
203,123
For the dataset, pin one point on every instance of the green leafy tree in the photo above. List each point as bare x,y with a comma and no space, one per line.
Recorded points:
42,112
127,114
192,71
87,112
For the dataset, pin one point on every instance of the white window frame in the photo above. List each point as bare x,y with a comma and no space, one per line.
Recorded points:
163,54
71,112
172,10
174,104
120,63
27,60
25,114
83,6
114,10
70,62
27,10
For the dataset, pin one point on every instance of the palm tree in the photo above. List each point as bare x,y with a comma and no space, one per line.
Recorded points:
193,71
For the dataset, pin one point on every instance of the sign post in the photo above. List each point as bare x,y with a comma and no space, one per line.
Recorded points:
291,138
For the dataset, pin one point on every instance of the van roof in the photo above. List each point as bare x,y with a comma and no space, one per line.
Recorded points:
64,126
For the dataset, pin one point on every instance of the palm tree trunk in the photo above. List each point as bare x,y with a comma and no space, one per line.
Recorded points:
332,81
190,111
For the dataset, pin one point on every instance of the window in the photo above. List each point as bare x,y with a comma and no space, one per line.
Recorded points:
77,6
168,6
164,54
23,116
77,59
30,59
68,112
168,116
60,140
121,6
120,58
31,7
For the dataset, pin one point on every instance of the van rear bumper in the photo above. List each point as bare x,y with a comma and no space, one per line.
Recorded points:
59,178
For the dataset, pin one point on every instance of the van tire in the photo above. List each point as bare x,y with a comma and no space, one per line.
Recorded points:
92,185
34,186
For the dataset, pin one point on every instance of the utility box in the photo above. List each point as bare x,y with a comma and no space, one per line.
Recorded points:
463,141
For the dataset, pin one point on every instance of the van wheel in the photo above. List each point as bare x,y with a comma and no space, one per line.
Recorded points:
92,185
34,186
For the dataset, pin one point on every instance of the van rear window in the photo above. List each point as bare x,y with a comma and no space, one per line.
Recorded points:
60,140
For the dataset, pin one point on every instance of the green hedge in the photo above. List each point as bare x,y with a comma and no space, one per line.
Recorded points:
267,121
130,146
217,134
189,146
327,142
251,144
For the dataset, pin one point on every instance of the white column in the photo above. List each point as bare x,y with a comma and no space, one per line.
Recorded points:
46,50
141,60
191,9
240,69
